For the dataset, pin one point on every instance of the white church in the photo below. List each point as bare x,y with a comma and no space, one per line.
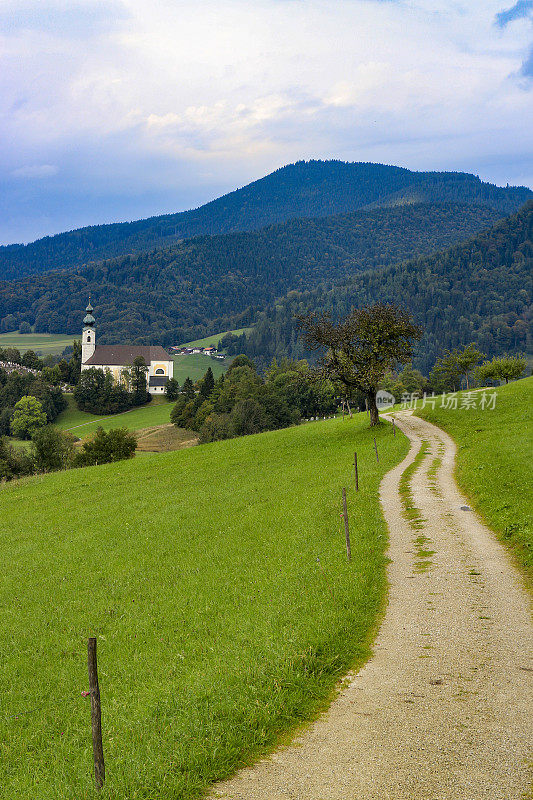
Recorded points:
118,357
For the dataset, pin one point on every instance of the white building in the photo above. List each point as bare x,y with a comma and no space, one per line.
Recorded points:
118,357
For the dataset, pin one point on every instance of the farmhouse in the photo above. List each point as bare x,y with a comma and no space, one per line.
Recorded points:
118,357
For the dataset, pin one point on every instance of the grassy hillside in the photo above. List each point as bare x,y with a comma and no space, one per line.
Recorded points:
304,189
494,462
81,423
207,341
196,365
216,581
42,343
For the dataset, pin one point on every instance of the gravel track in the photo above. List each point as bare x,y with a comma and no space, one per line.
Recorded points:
443,709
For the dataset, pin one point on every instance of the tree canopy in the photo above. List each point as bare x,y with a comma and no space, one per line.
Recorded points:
361,348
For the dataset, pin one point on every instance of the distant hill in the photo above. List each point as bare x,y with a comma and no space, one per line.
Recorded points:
479,291
220,283
303,190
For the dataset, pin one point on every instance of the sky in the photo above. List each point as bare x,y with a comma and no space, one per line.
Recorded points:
114,110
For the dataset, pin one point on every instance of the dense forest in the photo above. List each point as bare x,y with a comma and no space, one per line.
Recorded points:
479,291
219,283
302,190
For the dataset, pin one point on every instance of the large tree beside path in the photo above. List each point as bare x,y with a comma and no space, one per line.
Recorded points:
360,349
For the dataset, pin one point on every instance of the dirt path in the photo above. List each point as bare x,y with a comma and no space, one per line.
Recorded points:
444,709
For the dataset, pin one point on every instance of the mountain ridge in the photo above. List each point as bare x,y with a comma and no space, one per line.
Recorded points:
306,189
218,283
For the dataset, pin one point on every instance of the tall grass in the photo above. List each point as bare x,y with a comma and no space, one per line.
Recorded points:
217,583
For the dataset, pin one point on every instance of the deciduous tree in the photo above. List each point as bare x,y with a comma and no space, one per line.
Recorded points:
361,348
28,417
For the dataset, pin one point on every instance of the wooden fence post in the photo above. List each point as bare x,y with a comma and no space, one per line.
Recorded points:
96,716
376,449
356,472
346,526
393,427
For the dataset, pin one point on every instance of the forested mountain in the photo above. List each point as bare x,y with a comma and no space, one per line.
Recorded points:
479,291
302,190
215,283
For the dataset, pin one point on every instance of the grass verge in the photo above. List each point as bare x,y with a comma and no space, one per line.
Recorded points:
216,581
493,465
412,513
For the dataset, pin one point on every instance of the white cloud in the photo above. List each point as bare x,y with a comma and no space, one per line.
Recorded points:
35,171
229,89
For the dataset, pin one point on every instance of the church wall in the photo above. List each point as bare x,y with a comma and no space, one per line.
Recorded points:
117,369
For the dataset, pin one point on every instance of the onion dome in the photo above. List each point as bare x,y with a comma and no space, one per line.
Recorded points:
88,318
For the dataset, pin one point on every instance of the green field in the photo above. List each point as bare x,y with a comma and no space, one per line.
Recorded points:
196,365
216,581
81,423
494,462
44,344
214,339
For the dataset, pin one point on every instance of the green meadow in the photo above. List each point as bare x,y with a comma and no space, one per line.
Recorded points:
45,344
216,581
195,365
81,423
214,339
494,461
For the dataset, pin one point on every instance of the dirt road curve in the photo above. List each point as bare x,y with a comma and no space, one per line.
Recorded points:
444,709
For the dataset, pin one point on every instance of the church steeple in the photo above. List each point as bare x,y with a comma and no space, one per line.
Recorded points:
88,337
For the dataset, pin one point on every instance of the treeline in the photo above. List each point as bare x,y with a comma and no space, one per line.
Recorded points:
242,402
304,189
477,292
51,450
98,393
217,283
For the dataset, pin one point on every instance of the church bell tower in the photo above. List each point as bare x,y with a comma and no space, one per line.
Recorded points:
88,336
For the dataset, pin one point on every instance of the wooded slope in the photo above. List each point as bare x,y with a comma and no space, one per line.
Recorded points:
304,189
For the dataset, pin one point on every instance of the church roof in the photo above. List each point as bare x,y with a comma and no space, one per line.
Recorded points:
107,355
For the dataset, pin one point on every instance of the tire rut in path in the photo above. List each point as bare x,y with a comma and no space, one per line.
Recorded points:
442,711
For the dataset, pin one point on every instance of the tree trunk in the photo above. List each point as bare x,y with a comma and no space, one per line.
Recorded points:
372,407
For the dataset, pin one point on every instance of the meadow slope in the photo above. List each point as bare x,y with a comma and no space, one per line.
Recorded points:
216,581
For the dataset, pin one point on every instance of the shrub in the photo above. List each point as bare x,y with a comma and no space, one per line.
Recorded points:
114,445
13,463
52,449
